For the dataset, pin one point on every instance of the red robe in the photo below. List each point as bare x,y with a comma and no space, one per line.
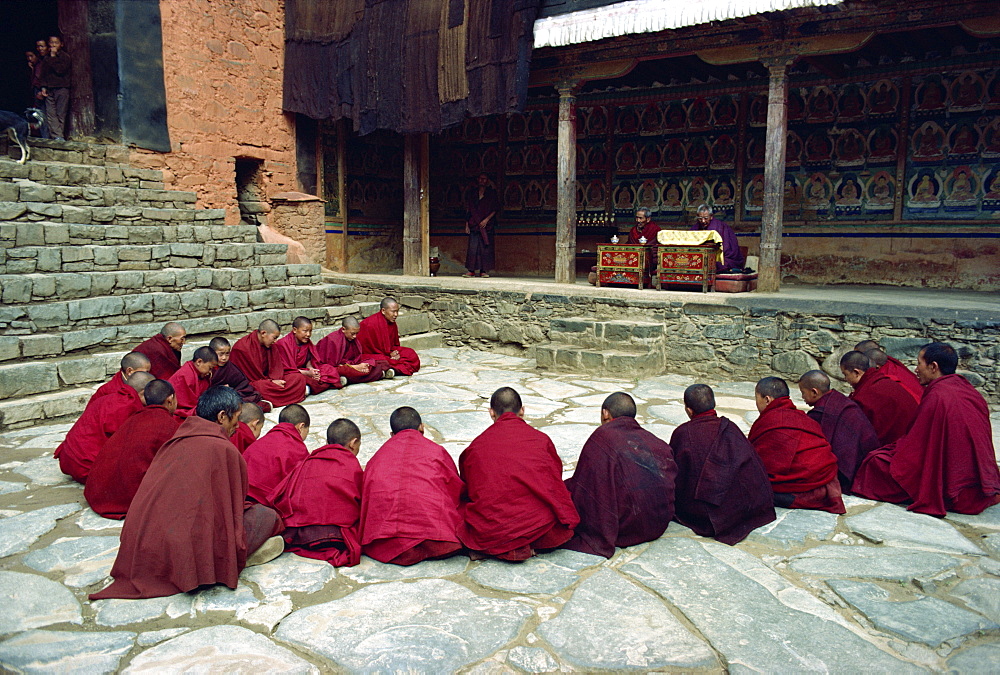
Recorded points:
722,486
410,507
338,351
261,366
847,428
295,356
378,337
123,461
188,386
164,360
77,452
649,232
116,383
320,502
797,457
945,462
897,372
623,488
271,458
514,496
243,437
886,404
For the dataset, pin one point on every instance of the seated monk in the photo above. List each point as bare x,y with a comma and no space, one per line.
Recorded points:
188,525
276,453
845,426
799,461
123,461
623,485
164,350
193,378
379,337
340,348
77,452
946,461
885,403
722,486
133,362
249,428
254,356
320,500
229,375
895,371
297,354
515,501
409,508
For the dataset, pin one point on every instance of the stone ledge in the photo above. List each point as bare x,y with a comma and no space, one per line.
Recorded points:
43,233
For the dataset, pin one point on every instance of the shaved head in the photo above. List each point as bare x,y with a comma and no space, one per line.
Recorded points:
877,357
206,354
172,329
865,345
855,361
619,404
775,387
342,432
350,322
268,326
294,414
387,302
699,398
251,412
135,361
301,322
218,343
138,380
505,400
157,392
404,418
815,379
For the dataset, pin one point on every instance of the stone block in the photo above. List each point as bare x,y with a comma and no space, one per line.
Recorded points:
45,210
700,309
10,347
975,379
228,252
12,210
134,253
29,234
238,323
56,234
241,279
129,280
412,301
43,285
128,212
106,256
744,355
76,214
25,379
571,326
794,362
41,345
222,279
545,356
824,340
102,284
103,214
46,315
411,324
903,347
186,278
16,290
135,304
82,370
36,192
568,357
14,412
166,303
90,337
9,192
338,290
96,308
480,330
235,300
725,331
187,250
423,341
72,285
691,352
592,361
21,267
194,301
510,333
157,214
160,278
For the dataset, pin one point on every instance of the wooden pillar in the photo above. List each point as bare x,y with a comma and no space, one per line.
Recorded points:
769,279
336,242
416,202
566,186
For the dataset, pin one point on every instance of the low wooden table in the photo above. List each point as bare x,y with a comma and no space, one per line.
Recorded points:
688,265
621,264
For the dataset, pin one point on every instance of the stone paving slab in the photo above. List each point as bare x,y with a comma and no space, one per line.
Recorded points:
794,527
46,651
866,562
895,526
544,574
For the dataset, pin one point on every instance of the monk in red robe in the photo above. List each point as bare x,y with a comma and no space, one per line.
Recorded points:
845,426
644,227
799,461
133,362
298,354
722,486
77,452
411,492
193,378
379,337
254,356
340,348
164,350
946,461
249,428
188,525
623,486
123,461
891,367
229,375
320,500
515,501
885,403
276,453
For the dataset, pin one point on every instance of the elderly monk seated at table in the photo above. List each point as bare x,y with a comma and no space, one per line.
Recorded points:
379,337
275,454
229,375
844,424
193,378
515,501
623,485
644,227
164,350
123,461
77,452
254,356
946,461
340,349
799,461
249,428
133,362
733,258
885,403
409,506
891,367
298,354
722,490
188,525
320,500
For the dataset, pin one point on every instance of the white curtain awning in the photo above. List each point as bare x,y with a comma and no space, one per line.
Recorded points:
651,16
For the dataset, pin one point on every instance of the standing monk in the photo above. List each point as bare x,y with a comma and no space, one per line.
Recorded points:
272,457
885,403
230,375
340,348
194,377
379,337
297,353
946,461
515,501
731,255
480,226
164,350
253,355
249,428
133,362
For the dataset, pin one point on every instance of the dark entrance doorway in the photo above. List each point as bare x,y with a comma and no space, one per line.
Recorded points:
22,22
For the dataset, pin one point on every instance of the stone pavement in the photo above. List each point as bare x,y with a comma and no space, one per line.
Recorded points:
876,590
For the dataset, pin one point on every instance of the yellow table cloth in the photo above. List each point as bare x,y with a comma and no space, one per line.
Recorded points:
690,238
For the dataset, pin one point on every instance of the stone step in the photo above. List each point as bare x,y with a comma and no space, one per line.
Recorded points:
62,173
23,211
613,333
76,152
43,233
423,341
29,191
576,358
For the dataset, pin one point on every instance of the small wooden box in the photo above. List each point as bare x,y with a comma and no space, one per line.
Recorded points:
688,265
621,264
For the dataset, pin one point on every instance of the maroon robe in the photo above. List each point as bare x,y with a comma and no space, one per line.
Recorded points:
320,502
123,461
188,386
229,375
187,525
649,231
338,351
77,452
261,366
410,507
295,356
379,338
722,486
271,458
243,437
897,372
480,253
847,428
514,499
116,383
164,360
886,404
945,462
622,488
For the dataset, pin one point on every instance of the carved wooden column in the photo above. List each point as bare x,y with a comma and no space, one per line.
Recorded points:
566,186
769,278
416,202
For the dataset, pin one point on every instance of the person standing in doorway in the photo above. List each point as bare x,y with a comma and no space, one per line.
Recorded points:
483,207
57,73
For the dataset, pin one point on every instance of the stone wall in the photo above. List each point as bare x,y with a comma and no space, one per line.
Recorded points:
222,62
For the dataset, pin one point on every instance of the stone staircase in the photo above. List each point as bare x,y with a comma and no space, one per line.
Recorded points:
583,344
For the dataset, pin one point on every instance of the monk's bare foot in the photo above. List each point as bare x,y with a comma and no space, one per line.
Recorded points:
389,374
267,552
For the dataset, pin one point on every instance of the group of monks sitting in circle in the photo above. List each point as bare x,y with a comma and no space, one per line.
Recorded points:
199,510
